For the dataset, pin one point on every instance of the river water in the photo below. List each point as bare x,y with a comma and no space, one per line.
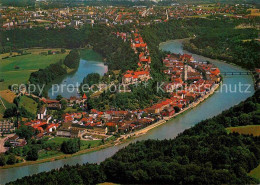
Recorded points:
214,105
67,85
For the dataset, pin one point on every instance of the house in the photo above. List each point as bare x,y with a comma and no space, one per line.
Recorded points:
168,111
16,141
63,133
111,127
75,132
78,100
42,113
13,140
135,76
52,104
52,127
6,126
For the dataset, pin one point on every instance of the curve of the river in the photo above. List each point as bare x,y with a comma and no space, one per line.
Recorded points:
211,107
67,85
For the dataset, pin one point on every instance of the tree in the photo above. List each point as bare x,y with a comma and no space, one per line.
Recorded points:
63,50
71,146
11,159
59,97
2,160
10,112
32,155
25,132
72,59
177,109
63,104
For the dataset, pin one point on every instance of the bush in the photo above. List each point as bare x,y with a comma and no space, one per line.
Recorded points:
11,159
32,155
2,160
71,146
72,59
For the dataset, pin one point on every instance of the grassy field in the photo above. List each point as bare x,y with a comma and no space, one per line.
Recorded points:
27,64
84,143
255,172
249,129
8,95
59,140
69,110
254,12
29,104
46,154
2,109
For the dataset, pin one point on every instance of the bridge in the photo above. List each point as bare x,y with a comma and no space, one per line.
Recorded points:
236,73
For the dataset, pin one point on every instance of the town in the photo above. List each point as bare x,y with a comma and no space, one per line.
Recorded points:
37,128
190,82
15,17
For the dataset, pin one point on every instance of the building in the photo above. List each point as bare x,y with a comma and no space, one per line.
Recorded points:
6,126
42,113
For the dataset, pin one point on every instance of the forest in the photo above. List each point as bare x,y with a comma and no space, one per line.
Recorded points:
44,76
215,38
72,59
203,154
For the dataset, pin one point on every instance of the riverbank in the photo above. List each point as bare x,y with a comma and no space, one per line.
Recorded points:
90,62
166,119
122,139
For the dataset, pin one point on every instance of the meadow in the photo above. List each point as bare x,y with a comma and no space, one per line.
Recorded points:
84,143
16,70
29,104
249,129
255,172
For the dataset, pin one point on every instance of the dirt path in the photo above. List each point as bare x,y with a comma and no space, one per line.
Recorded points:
2,103
2,142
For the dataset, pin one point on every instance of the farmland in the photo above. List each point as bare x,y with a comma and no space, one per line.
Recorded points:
249,129
29,104
17,69
255,172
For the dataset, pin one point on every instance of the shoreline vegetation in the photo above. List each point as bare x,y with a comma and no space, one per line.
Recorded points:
49,74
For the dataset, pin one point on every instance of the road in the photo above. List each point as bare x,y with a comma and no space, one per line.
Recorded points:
2,142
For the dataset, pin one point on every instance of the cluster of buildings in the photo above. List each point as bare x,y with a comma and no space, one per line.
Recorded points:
140,48
24,17
189,80
92,125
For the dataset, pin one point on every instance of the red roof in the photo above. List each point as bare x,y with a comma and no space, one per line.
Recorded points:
111,124
84,96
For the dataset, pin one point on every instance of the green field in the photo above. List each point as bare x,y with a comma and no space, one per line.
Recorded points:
249,129
255,172
84,143
27,64
29,104
46,154
2,109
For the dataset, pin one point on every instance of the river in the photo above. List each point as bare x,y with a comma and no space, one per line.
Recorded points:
209,108
67,85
